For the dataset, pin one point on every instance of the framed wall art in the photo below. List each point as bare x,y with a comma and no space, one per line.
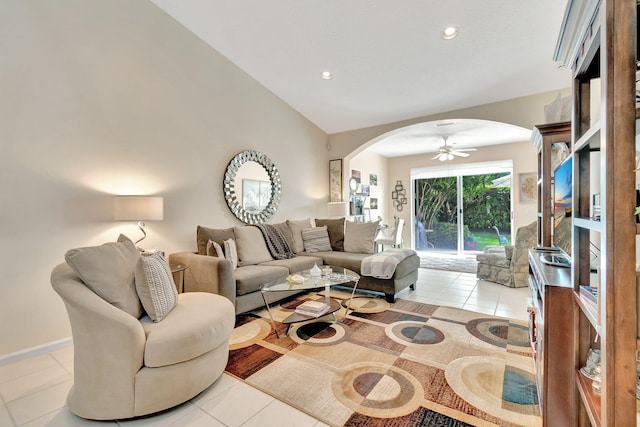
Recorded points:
335,180
528,187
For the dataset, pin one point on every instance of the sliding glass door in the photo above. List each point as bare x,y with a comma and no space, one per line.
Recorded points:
462,212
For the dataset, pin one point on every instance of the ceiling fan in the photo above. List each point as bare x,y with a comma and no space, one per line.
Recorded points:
447,152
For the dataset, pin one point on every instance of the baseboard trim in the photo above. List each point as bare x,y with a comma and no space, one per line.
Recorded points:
35,351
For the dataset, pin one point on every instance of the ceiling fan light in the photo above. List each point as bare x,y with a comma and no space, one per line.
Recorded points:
449,156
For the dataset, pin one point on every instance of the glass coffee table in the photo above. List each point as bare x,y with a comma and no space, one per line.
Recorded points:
336,276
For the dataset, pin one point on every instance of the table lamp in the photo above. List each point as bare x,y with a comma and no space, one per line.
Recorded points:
139,208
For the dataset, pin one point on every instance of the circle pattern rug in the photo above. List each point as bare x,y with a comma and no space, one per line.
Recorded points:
401,364
377,390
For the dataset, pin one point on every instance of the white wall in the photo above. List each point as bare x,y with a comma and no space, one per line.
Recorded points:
114,97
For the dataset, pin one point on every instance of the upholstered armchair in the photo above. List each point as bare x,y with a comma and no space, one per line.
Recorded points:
132,359
510,268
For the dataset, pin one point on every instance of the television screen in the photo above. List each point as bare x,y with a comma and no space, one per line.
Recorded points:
562,187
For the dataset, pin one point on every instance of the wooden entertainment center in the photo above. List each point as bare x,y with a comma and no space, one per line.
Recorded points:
552,330
597,42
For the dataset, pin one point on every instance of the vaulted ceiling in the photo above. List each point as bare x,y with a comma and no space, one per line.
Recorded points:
388,59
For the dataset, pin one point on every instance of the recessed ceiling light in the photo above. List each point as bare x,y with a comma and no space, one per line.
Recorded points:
327,75
449,33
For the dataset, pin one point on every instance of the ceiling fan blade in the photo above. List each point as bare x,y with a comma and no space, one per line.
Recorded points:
438,155
466,149
459,153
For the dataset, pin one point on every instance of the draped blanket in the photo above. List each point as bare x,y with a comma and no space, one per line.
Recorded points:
383,265
276,243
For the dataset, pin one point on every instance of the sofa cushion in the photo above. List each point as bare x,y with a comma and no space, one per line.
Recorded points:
285,230
296,264
296,228
335,227
109,271
250,278
353,262
155,286
199,323
204,234
251,247
349,260
316,239
359,236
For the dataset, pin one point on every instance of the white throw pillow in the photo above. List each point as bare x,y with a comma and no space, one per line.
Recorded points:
155,286
230,252
316,239
359,236
296,228
214,249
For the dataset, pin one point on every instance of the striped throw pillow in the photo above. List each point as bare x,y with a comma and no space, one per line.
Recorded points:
155,286
316,239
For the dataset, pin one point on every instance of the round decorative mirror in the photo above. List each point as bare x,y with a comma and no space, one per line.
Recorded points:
252,187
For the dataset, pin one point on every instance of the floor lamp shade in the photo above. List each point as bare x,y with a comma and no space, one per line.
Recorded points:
139,208
337,209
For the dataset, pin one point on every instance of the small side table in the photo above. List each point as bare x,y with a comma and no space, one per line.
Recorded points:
178,269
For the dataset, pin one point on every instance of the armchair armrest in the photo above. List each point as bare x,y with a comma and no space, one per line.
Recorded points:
207,274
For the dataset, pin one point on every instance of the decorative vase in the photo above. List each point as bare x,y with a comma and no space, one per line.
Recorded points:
315,271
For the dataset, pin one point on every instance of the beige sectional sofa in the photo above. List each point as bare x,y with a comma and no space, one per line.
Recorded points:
346,244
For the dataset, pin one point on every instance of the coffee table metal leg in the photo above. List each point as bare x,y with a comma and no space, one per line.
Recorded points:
353,292
273,322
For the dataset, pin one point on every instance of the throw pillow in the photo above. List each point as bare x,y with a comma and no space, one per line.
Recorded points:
359,236
214,249
204,234
251,246
109,271
231,253
155,286
283,227
335,227
296,228
316,239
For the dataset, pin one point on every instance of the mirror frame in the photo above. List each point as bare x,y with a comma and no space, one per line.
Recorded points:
229,187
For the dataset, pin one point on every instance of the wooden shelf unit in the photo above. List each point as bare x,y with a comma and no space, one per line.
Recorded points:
602,57
551,293
543,137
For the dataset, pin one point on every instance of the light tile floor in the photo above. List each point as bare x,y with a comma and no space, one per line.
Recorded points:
33,391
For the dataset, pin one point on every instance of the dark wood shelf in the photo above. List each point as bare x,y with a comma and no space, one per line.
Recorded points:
590,139
590,312
591,400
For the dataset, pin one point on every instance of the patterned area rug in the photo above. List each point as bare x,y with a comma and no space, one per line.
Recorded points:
401,364
448,262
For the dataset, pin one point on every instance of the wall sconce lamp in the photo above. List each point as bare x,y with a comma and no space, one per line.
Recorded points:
139,208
